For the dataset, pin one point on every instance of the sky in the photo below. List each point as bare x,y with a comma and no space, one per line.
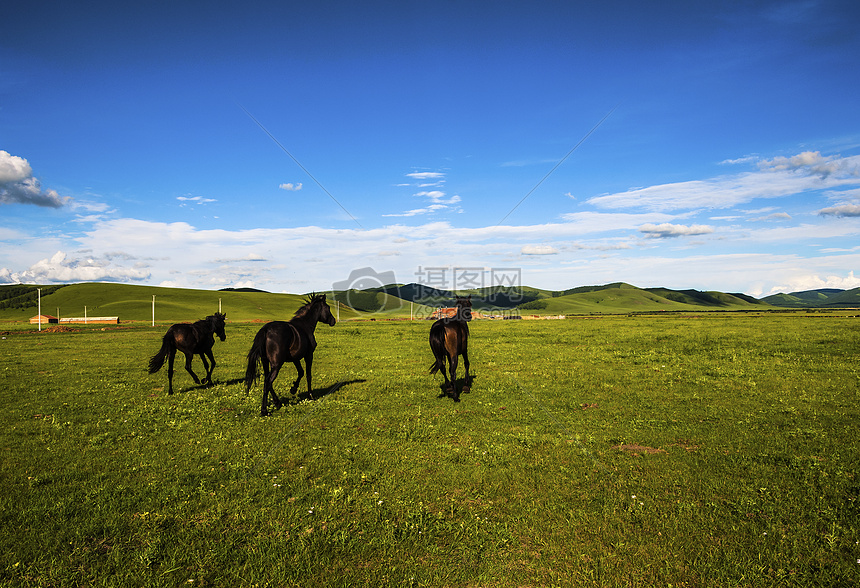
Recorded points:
304,146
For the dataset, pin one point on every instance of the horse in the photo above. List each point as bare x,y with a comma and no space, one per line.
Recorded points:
190,339
449,338
278,342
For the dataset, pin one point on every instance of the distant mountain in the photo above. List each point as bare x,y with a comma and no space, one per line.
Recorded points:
615,297
820,298
243,290
482,298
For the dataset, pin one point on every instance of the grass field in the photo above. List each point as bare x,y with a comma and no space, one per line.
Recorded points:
709,449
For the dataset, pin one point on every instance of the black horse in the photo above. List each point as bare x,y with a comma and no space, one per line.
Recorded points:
279,342
190,339
449,337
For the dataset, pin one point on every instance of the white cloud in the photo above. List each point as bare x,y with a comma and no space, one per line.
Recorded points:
13,168
419,211
60,269
668,230
597,222
801,282
841,210
425,175
740,160
813,162
779,216
18,186
291,187
587,248
777,177
538,250
434,195
438,203
252,257
195,199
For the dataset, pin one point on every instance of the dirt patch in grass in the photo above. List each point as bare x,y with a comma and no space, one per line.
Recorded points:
636,449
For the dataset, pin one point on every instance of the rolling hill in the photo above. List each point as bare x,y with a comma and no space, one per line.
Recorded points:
134,303
820,298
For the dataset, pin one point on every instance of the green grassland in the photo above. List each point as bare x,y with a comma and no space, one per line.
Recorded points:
682,449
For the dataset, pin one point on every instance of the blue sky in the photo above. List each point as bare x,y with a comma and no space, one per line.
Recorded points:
289,145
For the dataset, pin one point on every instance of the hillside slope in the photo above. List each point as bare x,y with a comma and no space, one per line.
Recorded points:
820,298
134,303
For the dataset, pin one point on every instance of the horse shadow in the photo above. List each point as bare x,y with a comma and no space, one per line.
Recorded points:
213,384
292,399
318,393
463,384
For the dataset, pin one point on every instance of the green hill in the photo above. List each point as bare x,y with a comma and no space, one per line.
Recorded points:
849,298
134,303
626,298
820,298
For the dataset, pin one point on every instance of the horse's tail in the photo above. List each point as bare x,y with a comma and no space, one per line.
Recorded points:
258,347
157,360
437,345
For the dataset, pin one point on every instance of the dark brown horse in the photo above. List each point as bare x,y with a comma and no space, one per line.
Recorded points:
279,342
190,339
449,338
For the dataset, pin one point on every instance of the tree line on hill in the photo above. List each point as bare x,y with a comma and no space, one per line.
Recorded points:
19,296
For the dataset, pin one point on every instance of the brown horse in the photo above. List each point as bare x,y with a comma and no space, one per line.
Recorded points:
449,338
279,342
190,339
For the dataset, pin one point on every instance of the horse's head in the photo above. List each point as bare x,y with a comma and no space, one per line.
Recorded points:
464,307
218,325
315,305
325,312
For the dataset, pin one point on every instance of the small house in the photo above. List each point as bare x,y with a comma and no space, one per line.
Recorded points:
45,319
103,320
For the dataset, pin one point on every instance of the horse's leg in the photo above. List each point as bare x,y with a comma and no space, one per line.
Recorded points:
206,369
452,362
264,411
209,368
440,361
467,385
170,359
270,382
301,374
188,357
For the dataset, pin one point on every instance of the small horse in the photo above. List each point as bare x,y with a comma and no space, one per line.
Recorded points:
279,342
196,339
449,337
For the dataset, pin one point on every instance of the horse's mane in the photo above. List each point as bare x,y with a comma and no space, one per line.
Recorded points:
309,302
211,319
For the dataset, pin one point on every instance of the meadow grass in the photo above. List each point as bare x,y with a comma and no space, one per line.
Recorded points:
683,450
